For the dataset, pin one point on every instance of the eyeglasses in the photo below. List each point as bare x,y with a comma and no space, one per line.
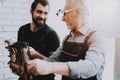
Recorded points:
62,11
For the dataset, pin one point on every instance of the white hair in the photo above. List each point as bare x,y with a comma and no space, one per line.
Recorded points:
82,4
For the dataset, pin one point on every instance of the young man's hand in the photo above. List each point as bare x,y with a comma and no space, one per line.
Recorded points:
35,54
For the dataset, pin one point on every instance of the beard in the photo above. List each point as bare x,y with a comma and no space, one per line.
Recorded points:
37,23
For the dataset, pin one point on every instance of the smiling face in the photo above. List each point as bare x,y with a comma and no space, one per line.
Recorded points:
40,14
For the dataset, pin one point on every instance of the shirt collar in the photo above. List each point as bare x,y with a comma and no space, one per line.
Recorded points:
82,31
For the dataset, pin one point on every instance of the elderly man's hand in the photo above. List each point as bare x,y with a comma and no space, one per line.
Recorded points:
39,67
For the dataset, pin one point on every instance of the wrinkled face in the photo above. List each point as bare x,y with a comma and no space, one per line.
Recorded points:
39,15
72,18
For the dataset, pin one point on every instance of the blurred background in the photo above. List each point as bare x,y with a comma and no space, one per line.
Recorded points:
104,15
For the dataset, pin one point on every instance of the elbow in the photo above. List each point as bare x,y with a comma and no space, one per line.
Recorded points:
90,70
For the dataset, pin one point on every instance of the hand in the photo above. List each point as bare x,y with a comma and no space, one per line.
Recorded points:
32,52
39,67
36,54
19,70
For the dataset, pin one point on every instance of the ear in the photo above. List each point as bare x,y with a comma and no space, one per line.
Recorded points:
78,11
31,11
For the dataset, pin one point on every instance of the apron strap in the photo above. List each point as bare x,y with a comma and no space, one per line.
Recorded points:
88,36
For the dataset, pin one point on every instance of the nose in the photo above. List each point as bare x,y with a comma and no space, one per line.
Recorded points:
63,18
42,15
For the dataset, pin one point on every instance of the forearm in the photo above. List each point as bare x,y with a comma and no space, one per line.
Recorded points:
60,68
35,54
38,55
40,67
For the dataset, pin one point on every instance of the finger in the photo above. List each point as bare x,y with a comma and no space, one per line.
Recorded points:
31,49
30,64
34,70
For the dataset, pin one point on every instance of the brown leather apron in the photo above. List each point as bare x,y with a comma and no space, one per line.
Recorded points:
74,51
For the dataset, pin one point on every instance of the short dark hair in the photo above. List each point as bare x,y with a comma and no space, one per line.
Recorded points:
42,2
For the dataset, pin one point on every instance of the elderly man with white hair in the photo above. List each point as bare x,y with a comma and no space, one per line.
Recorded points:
82,55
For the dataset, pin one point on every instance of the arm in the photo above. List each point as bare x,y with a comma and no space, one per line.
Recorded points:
20,35
35,54
93,63
40,67
52,41
94,59
52,58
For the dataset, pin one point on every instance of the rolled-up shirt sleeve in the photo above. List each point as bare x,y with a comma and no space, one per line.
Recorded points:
94,61
54,57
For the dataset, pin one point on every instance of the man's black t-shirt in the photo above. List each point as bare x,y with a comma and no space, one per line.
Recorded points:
44,41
